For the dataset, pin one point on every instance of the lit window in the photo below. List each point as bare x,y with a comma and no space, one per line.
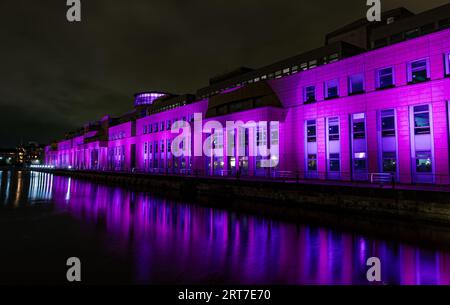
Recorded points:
418,71
312,162
423,162
309,94
334,162
333,129
421,120
359,131
385,78
312,64
331,89
356,83
388,123
311,130
359,161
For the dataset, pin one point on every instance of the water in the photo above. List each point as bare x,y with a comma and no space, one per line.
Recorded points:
123,236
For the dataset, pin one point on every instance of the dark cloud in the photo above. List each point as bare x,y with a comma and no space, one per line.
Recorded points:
56,75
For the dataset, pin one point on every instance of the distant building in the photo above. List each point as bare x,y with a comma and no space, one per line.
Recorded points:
8,156
374,99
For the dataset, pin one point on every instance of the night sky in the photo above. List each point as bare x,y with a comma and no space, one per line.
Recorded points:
56,75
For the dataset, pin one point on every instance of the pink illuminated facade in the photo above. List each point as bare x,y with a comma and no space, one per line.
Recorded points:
380,111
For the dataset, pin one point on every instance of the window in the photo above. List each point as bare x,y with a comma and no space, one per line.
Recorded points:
447,64
444,23
169,125
145,148
150,128
388,123
162,146
334,162
356,83
389,162
423,162
333,129
421,120
333,57
331,89
150,150
312,162
380,43
311,130
359,161
385,78
359,131
169,148
312,64
145,129
274,135
396,38
412,33
309,94
162,126
418,71
427,28
156,127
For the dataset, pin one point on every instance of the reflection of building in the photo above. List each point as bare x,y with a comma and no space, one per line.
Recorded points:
345,111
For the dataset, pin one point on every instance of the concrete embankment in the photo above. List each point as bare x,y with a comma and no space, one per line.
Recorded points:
405,204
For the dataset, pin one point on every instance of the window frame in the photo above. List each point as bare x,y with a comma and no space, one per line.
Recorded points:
378,78
327,87
410,70
350,84
426,128
306,100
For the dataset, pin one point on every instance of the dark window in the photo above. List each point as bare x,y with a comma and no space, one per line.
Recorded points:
385,78
334,162
359,130
145,129
418,71
332,89
423,162
156,127
222,110
397,38
169,148
444,23
389,162
169,125
412,33
150,128
356,83
310,94
427,28
388,123
421,120
447,64
162,126
333,129
162,146
311,130
312,162
359,162
380,43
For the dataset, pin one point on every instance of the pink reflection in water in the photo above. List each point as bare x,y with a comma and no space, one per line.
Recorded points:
171,242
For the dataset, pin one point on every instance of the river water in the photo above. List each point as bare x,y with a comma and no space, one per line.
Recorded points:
125,236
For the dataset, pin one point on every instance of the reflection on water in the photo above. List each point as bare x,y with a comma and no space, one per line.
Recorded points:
174,242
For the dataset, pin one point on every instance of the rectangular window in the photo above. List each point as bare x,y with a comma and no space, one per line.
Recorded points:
274,135
162,126
359,161
150,128
145,148
418,71
145,129
334,162
156,127
162,146
311,130
389,162
385,78
444,23
412,33
388,123
423,162
356,83
447,64
421,120
150,148
309,94
169,125
169,148
359,129
312,162
331,89
333,129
